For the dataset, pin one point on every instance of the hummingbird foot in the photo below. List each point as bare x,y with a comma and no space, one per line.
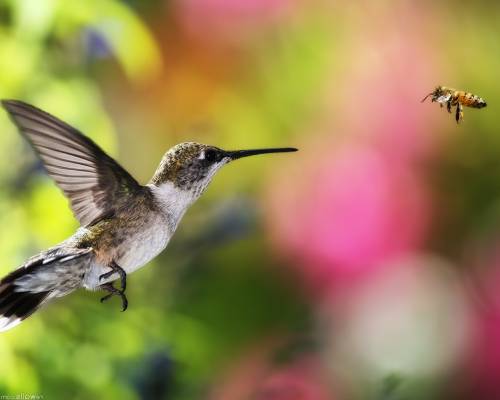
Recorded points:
114,292
115,268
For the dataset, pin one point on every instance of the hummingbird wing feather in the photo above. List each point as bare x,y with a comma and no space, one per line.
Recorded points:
94,183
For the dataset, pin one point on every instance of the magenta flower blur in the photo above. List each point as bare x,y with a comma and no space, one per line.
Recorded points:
482,366
255,376
357,199
229,19
345,211
294,382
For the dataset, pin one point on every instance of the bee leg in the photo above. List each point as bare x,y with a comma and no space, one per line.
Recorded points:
459,115
115,268
448,106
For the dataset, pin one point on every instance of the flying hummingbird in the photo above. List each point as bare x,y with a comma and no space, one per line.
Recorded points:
123,224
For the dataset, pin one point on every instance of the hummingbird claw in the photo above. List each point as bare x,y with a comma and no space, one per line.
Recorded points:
124,303
114,292
115,268
103,299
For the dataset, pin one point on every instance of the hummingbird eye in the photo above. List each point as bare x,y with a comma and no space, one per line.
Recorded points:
212,155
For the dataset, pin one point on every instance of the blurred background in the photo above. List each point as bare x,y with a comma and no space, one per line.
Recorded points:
366,266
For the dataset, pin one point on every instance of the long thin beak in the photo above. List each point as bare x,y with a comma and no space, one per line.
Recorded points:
234,155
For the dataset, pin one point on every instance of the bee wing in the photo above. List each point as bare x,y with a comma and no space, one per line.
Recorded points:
94,183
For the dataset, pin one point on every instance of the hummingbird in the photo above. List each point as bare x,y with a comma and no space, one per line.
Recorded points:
123,224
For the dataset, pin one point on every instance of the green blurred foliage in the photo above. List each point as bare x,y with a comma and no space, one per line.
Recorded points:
194,307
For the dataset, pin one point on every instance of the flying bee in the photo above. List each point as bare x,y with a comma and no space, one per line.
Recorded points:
458,98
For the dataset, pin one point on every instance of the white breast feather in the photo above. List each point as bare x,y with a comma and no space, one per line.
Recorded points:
151,240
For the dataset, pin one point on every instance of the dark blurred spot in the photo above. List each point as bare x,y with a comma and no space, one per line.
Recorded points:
19,181
297,347
153,378
232,220
5,14
229,221
391,386
96,45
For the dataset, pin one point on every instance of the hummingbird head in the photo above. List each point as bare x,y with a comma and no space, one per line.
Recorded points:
189,167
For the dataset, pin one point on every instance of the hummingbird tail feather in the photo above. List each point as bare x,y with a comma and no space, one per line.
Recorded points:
53,273
16,306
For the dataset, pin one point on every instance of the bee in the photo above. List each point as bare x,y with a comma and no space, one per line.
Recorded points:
458,98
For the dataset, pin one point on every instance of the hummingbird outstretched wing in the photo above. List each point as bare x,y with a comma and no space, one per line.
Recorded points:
94,183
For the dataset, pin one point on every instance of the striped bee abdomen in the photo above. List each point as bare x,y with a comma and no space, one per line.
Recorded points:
471,100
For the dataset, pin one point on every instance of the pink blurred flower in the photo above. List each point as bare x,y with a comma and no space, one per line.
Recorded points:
341,212
229,20
255,377
357,199
390,115
391,65
295,382
482,366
